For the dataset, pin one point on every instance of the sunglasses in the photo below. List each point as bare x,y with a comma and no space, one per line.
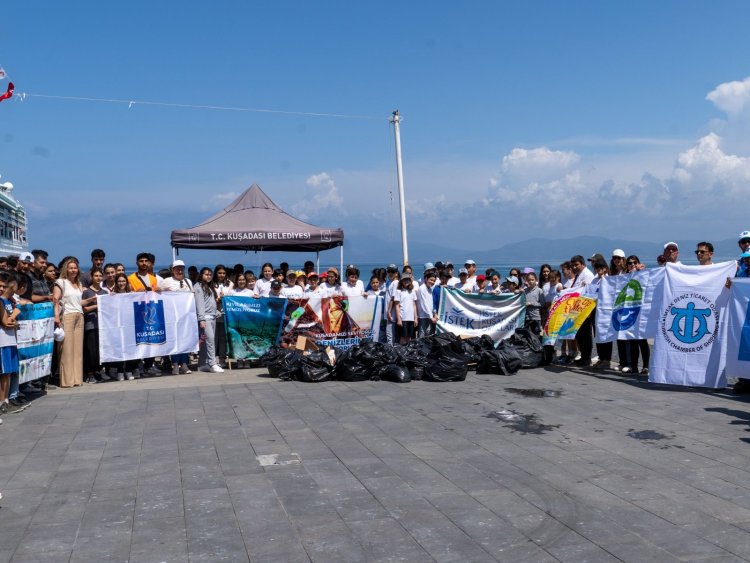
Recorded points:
702,251
632,263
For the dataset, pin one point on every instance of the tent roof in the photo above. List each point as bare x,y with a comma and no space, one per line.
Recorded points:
254,222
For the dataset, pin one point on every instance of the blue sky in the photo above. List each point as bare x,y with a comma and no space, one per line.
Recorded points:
520,120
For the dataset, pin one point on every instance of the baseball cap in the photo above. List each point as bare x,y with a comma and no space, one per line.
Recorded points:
744,235
463,271
481,277
392,268
312,275
745,255
595,256
26,257
470,262
429,266
178,263
528,271
618,252
670,243
512,279
275,284
300,274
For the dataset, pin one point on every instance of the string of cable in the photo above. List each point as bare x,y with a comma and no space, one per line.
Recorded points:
130,103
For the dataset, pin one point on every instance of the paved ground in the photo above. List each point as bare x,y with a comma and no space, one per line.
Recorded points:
152,471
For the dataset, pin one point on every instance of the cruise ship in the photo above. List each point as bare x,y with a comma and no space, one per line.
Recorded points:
12,223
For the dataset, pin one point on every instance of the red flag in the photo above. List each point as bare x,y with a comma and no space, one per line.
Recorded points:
8,93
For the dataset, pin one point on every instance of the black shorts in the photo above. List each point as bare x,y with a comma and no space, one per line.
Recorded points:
406,329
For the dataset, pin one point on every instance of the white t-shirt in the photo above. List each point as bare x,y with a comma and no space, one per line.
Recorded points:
406,300
584,278
171,284
352,290
293,291
244,292
317,292
263,286
489,289
424,302
453,282
330,289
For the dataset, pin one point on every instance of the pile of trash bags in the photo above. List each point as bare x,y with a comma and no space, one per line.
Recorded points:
443,357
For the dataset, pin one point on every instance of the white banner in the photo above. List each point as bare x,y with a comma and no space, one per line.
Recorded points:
690,342
738,330
625,304
475,314
146,324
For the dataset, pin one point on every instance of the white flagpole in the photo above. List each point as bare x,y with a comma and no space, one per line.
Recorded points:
396,119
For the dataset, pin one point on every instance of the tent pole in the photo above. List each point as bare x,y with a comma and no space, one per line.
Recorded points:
174,254
342,259
317,261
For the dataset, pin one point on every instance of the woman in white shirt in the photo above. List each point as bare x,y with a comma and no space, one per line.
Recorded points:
331,285
263,284
241,288
405,305
69,315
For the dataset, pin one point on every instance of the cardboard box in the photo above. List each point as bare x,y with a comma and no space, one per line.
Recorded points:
304,344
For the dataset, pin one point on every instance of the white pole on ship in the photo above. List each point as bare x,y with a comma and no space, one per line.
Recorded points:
396,119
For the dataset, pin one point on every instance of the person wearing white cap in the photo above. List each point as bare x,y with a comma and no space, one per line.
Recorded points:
178,282
471,268
617,264
672,253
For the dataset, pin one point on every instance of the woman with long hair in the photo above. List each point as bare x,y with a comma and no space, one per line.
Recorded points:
91,363
241,288
638,347
69,315
263,283
223,286
205,308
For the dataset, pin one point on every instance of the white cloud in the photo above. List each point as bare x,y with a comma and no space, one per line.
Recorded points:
733,98
226,197
320,198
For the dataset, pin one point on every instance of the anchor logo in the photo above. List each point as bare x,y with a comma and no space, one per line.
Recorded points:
689,324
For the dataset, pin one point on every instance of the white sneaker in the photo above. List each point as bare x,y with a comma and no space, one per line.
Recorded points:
129,376
578,357
626,369
120,377
217,369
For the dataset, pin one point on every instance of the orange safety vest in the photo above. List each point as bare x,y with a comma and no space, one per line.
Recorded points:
136,282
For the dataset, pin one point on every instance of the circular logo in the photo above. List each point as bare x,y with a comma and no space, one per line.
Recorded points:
690,322
627,306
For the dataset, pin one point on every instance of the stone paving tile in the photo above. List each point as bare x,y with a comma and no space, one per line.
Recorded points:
166,469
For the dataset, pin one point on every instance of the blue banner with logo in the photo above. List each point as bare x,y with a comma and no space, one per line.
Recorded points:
625,304
738,330
690,343
475,314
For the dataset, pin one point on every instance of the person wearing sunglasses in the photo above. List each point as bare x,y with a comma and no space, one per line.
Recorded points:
671,253
704,252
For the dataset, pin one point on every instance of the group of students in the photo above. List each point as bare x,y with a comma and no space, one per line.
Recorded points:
410,305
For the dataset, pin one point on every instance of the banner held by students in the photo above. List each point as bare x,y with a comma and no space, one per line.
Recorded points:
475,314
624,306
738,329
690,343
252,325
340,321
140,325
566,315
35,340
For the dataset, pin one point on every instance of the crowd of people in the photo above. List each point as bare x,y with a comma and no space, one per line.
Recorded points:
410,306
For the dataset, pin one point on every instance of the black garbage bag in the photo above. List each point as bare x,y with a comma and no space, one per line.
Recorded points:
375,355
410,355
503,360
416,373
529,347
472,348
315,367
395,373
272,359
446,367
287,365
350,368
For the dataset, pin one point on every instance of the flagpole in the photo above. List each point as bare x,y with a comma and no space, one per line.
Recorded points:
396,120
